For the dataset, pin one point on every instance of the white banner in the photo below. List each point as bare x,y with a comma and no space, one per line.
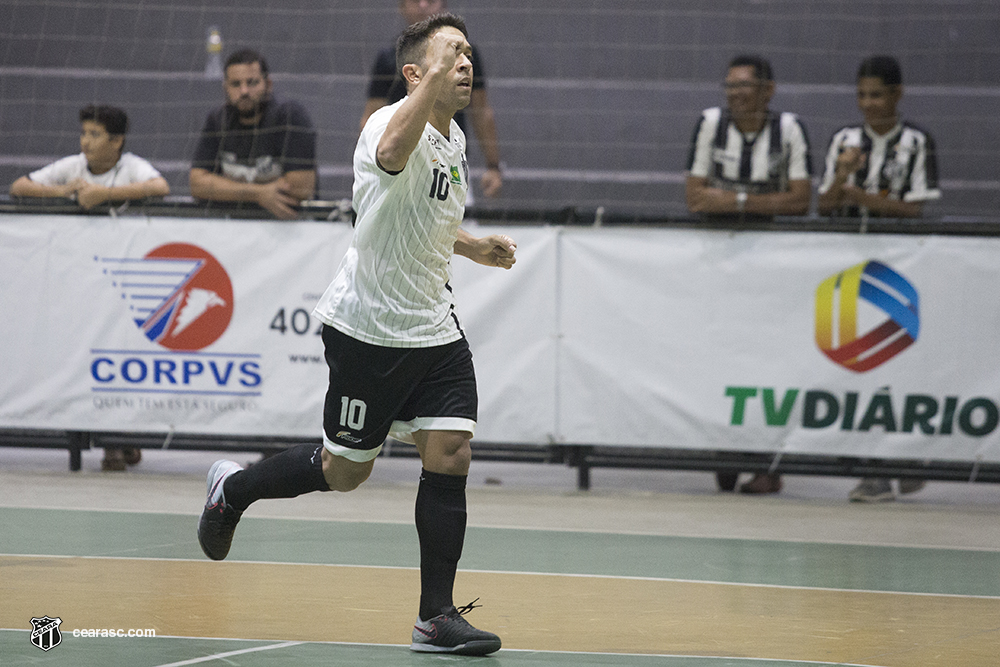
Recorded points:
205,326
711,339
834,344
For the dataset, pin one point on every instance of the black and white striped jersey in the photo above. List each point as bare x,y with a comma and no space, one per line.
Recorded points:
754,163
901,164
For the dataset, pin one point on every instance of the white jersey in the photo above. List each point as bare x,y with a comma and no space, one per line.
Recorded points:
129,169
392,286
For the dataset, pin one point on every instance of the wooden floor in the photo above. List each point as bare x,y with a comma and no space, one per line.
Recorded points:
660,578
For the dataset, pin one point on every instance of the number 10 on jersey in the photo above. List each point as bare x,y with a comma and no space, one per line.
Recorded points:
440,185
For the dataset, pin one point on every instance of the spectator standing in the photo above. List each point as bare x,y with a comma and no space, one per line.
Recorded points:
399,360
885,167
388,87
255,148
748,163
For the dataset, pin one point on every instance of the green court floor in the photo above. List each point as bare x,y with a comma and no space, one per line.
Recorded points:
624,599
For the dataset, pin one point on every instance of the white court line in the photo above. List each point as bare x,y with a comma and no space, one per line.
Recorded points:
229,654
641,656
499,526
574,575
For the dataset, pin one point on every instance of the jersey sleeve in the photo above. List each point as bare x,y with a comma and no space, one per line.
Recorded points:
699,157
799,163
364,156
60,172
923,179
138,170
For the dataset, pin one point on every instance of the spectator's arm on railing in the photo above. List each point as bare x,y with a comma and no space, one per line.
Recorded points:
278,196
25,187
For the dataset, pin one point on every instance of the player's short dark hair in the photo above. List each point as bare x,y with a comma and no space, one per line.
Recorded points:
885,68
112,119
246,57
411,44
761,67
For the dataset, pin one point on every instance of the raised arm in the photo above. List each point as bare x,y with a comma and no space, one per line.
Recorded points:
407,124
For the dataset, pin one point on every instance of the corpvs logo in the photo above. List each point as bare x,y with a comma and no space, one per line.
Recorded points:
179,297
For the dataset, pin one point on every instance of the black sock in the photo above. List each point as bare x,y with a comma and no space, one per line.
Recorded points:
440,517
291,473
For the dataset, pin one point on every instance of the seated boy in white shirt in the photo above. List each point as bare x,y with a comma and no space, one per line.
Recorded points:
101,172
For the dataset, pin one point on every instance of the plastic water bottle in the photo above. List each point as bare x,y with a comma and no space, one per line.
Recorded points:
213,47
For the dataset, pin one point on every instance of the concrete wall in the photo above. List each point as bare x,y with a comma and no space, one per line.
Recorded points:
595,102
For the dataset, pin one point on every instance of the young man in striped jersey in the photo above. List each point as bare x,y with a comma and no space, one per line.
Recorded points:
886,167
747,161
399,360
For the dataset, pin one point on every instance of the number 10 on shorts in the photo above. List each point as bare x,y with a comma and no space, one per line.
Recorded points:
352,413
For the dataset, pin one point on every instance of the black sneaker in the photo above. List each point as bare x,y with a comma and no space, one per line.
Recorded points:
450,633
218,520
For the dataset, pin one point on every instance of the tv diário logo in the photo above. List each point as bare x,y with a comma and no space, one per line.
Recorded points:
839,301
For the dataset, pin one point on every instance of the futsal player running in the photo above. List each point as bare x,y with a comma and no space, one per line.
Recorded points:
399,361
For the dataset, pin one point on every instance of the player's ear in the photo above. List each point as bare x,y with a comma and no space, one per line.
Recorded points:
411,74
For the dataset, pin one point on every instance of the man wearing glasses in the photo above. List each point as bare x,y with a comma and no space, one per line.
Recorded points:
746,161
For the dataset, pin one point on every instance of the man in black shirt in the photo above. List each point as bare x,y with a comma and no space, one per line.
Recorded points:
255,148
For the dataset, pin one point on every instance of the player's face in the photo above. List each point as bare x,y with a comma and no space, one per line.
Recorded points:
459,93
877,102
420,10
746,95
246,88
100,148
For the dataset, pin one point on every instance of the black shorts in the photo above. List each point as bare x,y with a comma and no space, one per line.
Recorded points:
376,390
